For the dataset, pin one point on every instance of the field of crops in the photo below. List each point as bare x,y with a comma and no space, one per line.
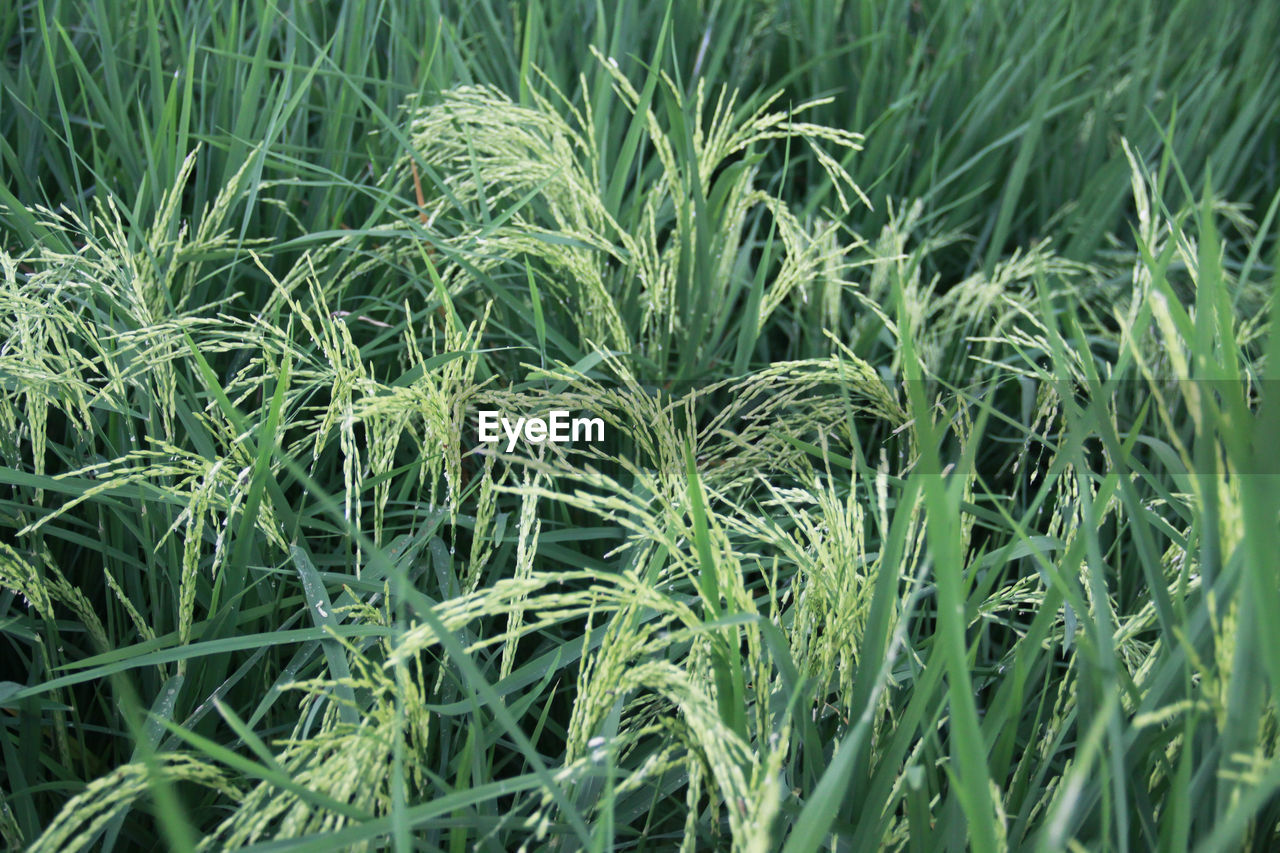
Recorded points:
920,482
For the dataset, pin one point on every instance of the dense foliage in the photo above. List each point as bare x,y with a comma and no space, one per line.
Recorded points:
939,501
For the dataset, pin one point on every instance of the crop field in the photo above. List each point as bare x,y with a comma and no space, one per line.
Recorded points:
635,426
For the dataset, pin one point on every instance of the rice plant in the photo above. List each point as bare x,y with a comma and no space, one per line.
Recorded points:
934,504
